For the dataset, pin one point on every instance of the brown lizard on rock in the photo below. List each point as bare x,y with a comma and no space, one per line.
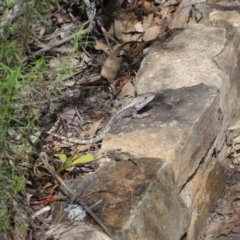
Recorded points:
130,109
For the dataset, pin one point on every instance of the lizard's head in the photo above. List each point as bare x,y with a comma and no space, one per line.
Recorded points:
142,100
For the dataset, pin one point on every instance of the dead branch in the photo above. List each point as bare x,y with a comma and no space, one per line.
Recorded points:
90,11
70,194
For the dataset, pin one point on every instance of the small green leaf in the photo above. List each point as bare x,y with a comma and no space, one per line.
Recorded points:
83,159
74,157
67,165
61,156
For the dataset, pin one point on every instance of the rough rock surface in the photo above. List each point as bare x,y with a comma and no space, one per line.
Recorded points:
129,191
189,120
171,132
76,230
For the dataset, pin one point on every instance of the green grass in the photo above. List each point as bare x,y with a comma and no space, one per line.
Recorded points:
8,85
10,186
23,88
10,182
19,94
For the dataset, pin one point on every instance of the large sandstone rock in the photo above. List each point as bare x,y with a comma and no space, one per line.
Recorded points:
138,199
195,73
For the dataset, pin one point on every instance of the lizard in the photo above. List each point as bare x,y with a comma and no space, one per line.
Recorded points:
130,109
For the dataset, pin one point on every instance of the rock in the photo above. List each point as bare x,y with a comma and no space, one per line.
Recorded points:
75,230
195,75
203,191
184,60
138,199
176,118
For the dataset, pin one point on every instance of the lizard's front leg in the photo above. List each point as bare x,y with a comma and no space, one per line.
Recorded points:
136,115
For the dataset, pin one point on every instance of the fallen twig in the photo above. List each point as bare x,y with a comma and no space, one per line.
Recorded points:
90,11
70,193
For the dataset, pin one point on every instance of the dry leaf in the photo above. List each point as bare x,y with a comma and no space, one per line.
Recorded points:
127,90
61,18
111,29
113,63
151,33
213,228
148,21
135,50
92,131
128,32
147,6
111,67
130,27
157,20
139,27
42,31
126,37
165,12
180,20
124,28
119,28
101,46
57,146
119,83
226,228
